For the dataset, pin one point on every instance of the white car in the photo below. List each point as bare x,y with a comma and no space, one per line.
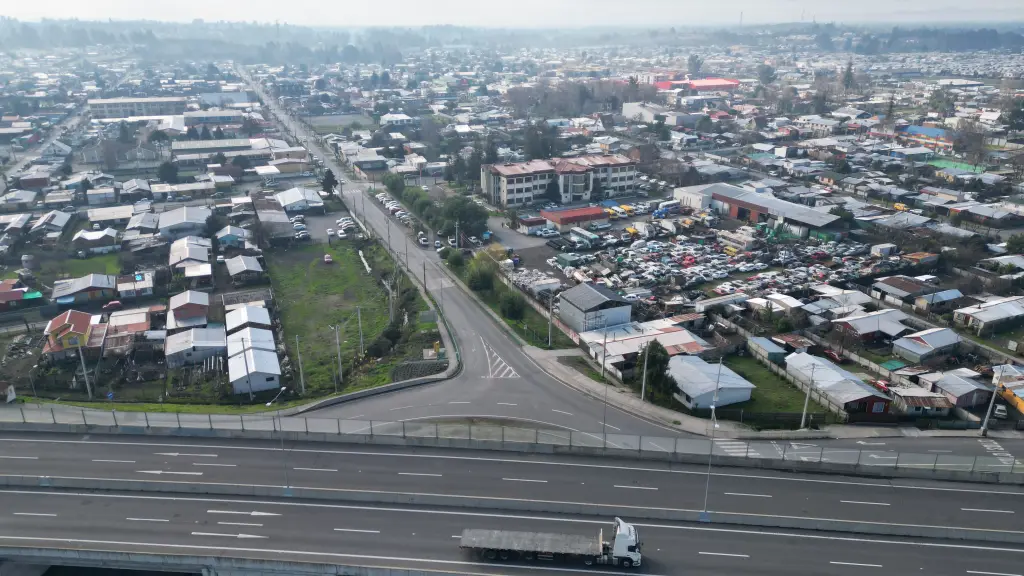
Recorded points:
423,240
330,231
425,188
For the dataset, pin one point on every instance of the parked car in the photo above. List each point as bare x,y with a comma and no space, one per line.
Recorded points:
328,259
330,231
422,240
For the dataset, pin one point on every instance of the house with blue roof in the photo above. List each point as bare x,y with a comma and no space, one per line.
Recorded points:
937,139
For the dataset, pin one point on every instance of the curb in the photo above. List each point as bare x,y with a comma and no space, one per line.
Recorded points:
519,505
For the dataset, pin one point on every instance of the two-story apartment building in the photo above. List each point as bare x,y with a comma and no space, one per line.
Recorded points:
126,107
515,184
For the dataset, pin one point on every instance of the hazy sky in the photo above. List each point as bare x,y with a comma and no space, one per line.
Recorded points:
524,13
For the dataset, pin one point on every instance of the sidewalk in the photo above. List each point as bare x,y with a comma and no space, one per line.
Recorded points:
627,401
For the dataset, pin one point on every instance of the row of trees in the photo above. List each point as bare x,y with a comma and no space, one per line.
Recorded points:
471,218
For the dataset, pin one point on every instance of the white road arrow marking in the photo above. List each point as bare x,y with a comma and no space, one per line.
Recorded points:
240,536
241,513
189,455
796,446
169,472
863,443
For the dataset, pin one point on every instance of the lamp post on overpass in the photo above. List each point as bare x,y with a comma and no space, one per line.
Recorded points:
280,430
711,449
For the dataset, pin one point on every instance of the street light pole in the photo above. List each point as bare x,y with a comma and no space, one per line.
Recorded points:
711,450
284,453
643,380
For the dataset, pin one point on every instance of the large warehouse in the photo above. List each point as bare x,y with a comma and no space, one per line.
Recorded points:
756,208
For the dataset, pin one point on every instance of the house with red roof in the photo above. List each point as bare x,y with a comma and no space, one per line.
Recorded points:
67,332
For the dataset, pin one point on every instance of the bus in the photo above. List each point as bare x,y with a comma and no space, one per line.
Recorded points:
612,214
628,209
586,235
620,211
670,206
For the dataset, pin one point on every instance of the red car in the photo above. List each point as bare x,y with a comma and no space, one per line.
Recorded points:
834,356
112,305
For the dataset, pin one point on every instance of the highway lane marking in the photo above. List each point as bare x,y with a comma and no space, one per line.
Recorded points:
240,524
507,404
212,464
991,573
242,513
456,535
612,427
189,455
417,474
986,510
525,480
355,530
865,503
20,457
942,452
458,402
228,535
116,461
751,495
856,564
400,408
636,487
562,412
316,469
146,520
534,462
724,554
35,514
158,472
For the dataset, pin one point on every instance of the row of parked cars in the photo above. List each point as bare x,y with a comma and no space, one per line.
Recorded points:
395,208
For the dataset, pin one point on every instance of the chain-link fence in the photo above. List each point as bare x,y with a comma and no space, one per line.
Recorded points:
511,436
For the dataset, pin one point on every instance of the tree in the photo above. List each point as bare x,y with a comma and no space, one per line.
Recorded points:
158,136
214,223
1015,244
205,134
1015,115
597,191
824,42
659,382
969,140
660,130
843,167
476,160
455,259
490,151
844,214
374,80
125,134
219,158
553,191
249,126
942,102
329,181
242,162
192,133
694,64
395,183
167,172
218,134
705,124
449,172
633,89
385,78
765,74
65,169
512,305
848,78
480,275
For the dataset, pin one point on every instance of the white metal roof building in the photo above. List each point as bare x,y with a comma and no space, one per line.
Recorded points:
840,387
697,381
239,318
183,221
299,199
254,370
193,346
921,346
250,337
988,316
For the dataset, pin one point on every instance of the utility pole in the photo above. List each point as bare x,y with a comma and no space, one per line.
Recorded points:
337,344
711,449
604,358
991,405
456,233
551,306
85,374
302,377
248,379
807,398
359,319
643,380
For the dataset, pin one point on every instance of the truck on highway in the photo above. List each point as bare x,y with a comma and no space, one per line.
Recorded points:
623,550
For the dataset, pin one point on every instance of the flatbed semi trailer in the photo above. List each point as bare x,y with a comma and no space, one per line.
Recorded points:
623,550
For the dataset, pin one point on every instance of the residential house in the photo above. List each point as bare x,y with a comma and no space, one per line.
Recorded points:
254,370
55,152
53,221
89,288
926,345
135,285
916,401
15,295
939,302
840,387
992,315
300,199
193,346
144,223
765,348
244,269
962,387
247,338
247,317
701,385
869,326
899,289
67,332
232,236
588,307
185,221
96,241
189,251
135,189
187,310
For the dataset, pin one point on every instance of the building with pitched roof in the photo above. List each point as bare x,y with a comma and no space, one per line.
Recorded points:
701,385
91,287
840,387
926,345
67,332
193,346
185,221
589,307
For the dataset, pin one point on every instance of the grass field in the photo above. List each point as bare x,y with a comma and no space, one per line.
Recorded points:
773,393
51,269
313,296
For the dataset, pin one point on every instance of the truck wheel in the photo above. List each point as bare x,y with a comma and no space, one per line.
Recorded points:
588,561
490,554
627,563
503,554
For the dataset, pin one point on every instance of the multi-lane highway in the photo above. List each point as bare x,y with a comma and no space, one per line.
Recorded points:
426,538
497,380
456,475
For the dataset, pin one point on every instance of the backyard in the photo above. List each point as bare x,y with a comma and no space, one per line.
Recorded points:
313,296
773,393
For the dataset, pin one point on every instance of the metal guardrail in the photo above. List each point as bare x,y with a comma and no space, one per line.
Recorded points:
651,445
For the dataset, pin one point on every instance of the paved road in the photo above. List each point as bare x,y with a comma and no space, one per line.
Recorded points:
426,538
498,380
460,474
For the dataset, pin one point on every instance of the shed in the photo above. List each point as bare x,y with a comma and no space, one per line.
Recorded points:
765,348
247,316
697,382
926,345
588,307
193,346
254,370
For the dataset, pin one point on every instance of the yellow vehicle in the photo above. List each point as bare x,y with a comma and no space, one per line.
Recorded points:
628,209
633,231
731,251
612,214
687,223
900,206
